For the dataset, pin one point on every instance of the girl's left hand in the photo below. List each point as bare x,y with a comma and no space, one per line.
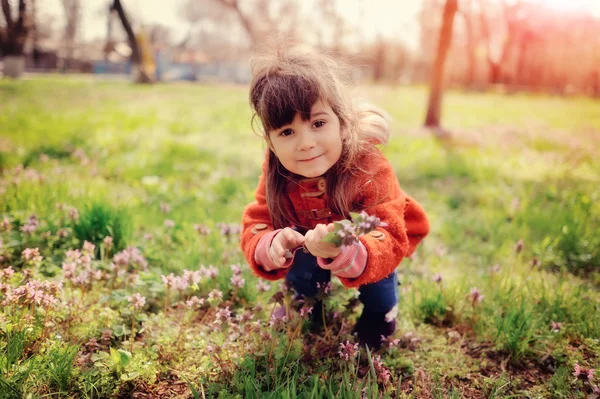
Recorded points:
313,242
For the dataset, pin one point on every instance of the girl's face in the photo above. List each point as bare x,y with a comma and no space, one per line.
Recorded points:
309,148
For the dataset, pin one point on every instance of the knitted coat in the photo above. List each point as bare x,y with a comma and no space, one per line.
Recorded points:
379,194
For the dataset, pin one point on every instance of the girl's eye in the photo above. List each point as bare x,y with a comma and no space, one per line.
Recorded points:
286,132
318,124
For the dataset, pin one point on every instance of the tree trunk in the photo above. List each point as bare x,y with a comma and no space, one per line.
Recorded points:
14,65
139,75
467,14
14,34
437,78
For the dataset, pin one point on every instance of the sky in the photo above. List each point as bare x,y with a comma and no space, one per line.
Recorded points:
389,18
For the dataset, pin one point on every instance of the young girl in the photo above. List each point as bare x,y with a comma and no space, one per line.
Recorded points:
321,165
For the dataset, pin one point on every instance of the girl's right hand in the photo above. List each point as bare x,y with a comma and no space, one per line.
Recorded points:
286,240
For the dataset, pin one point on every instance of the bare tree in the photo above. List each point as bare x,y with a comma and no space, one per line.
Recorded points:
433,116
14,33
12,39
511,18
466,11
265,17
72,9
136,56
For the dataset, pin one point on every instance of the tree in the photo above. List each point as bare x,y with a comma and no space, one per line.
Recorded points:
140,75
12,38
72,9
432,118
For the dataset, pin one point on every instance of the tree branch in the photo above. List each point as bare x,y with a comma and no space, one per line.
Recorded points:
21,18
7,14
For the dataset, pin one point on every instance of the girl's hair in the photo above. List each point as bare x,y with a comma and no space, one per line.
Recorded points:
286,81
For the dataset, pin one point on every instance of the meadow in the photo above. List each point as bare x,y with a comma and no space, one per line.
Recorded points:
121,274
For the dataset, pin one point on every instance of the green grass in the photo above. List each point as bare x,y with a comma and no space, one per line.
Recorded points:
519,168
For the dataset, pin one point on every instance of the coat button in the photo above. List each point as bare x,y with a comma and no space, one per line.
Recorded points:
377,235
321,185
260,226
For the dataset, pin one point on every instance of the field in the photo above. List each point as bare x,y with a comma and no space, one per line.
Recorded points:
121,274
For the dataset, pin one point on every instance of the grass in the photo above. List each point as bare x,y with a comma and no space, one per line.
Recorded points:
166,171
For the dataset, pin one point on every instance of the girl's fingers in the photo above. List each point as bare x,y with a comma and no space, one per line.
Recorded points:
293,238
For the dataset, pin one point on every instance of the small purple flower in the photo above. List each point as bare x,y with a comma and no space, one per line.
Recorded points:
390,341
348,351
476,295
261,286
437,278
74,214
305,311
236,268
215,294
194,302
201,229
325,286
137,301
223,315
88,248
108,243
169,224
212,272
556,326
237,281
519,246
165,208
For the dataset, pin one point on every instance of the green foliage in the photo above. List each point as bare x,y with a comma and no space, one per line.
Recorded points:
516,326
98,220
59,365
15,369
524,171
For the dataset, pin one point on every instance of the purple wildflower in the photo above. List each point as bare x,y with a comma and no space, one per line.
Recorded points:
305,311
519,246
556,326
215,294
437,278
137,301
165,208
348,351
194,302
261,286
476,295
169,224
201,229
236,268
223,315
108,243
237,281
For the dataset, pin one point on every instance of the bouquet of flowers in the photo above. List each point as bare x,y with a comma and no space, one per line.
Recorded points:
346,232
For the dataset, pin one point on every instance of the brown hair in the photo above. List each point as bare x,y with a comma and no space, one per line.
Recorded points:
286,81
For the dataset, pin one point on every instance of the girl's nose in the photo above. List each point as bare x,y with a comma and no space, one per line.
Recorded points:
306,141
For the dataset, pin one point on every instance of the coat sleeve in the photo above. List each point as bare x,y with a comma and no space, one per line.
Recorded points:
256,222
406,221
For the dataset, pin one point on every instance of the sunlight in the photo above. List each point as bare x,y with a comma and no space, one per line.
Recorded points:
592,6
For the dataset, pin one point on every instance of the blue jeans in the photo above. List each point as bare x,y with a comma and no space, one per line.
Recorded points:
305,273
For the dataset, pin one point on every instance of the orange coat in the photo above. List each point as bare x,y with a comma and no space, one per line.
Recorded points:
381,195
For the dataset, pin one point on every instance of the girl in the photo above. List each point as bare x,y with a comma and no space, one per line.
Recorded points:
321,165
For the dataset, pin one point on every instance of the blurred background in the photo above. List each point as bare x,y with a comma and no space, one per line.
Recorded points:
532,45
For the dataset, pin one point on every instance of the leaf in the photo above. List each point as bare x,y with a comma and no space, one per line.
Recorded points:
99,356
125,357
130,376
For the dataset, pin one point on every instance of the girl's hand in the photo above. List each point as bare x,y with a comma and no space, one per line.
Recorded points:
313,242
286,240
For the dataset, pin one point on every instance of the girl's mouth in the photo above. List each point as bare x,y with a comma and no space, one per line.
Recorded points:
310,159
